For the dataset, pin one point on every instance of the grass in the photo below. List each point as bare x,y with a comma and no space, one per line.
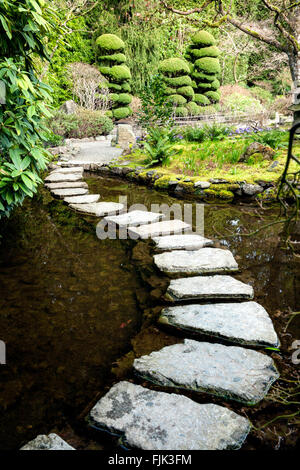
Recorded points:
219,159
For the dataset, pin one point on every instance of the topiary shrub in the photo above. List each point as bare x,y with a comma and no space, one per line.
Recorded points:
111,57
206,67
193,108
176,74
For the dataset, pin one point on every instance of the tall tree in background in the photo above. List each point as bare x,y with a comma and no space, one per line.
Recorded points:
280,28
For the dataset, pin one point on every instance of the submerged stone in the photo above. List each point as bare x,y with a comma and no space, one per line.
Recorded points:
99,209
88,198
166,227
69,192
151,420
65,185
135,218
228,371
205,260
50,442
208,287
244,323
182,242
57,177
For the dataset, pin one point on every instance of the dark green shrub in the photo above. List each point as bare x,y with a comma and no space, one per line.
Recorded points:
201,99
84,124
110,52
206,68
173,67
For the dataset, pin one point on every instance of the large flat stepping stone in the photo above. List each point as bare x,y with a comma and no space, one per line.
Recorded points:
182,242
231,372
134,218
75,169
151,420
88,198
69,192
50,442
98,209
65,185
208,287
244,323
159,228
57,177
203,261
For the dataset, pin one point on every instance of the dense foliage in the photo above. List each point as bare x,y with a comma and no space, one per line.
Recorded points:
23,24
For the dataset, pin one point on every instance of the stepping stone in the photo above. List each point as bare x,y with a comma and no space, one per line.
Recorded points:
69,192
88,198
208,287
134,218
182,242
75,169
57,177
228,371
50,442
99,209
65,185
203,261
244,323
159,228
151,420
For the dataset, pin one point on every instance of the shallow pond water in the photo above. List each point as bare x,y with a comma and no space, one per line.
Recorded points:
70,304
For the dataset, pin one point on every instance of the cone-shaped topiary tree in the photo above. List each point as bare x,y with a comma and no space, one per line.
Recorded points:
111,57
176,73
205,68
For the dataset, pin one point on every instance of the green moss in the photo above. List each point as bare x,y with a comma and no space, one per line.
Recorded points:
225,194
181,111
120,73
213,96
186,91
203,38
122,113
177,99
118,58
201,99
225,187
210,193
184,80
192,108
209,65
211,51
162,182
174,66
110,42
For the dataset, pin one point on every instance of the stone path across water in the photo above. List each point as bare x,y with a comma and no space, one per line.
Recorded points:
203,261
50,442
228,371
244,323
152,420
148,419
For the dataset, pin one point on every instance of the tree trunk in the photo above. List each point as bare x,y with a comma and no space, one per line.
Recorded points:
294,60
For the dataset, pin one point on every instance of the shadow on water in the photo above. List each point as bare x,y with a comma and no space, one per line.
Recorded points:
69,304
